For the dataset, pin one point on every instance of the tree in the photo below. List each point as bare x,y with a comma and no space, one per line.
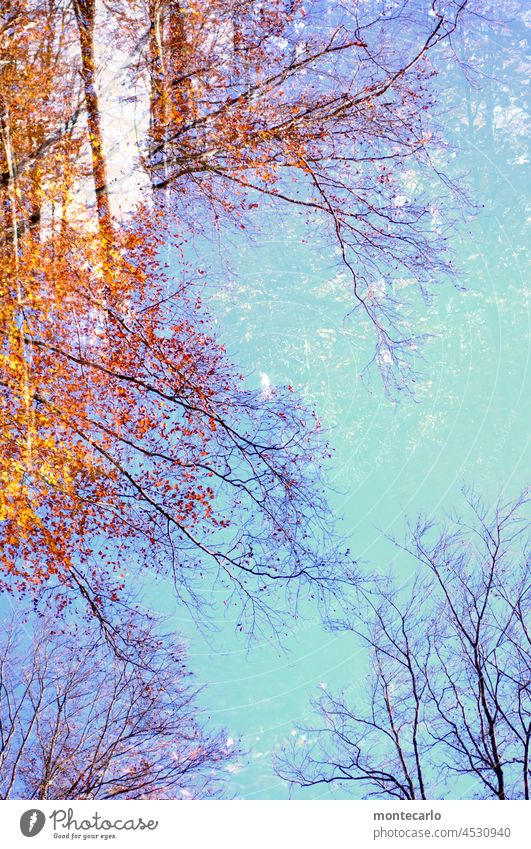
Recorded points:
328,110
76,722
335,129
447,706
187,468
85,14
128,436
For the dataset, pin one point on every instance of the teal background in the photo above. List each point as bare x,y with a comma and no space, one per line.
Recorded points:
285,313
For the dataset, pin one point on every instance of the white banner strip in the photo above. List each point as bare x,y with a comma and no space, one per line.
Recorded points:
275,825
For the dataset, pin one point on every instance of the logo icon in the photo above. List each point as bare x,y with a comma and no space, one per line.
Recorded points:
32,822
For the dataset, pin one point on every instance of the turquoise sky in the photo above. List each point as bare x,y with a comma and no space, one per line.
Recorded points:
285,314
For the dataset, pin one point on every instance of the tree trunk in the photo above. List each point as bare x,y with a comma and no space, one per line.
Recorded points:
85,12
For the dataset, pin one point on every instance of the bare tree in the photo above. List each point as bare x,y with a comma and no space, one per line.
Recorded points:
77,722
447,706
